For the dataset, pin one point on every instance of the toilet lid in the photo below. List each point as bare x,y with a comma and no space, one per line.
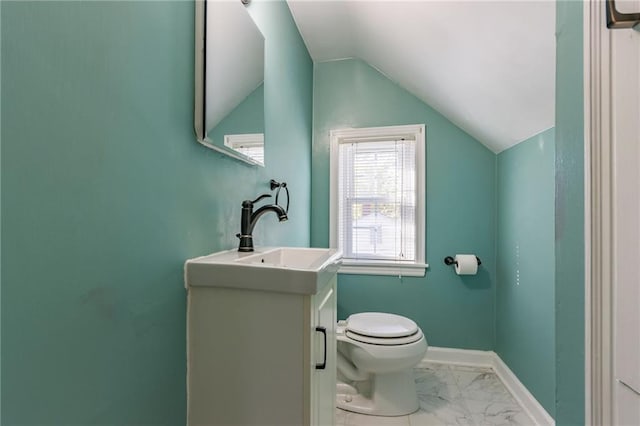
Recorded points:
378,324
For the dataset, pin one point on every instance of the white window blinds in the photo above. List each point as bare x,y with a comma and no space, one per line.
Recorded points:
255,151
250,144
377,199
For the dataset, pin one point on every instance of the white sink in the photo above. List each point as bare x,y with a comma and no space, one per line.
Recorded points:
282,269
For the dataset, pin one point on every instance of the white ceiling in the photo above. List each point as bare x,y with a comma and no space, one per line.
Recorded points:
232,73
488,66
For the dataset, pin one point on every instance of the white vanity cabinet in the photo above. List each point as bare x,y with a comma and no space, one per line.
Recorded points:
258,357
323,378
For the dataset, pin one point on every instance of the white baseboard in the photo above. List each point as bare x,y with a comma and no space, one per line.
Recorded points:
460,357
491,360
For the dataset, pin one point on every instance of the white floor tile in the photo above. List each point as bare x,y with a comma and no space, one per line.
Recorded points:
471,368
498,413
434,365
481,386
434,410
355,419
440,383
452,395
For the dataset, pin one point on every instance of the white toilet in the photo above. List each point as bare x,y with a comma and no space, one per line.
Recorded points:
376,356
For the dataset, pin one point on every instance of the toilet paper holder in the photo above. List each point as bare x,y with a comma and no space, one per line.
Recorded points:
451,261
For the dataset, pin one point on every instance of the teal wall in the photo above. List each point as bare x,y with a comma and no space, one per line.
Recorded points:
525,326
453,311
105,193
570,319
247,117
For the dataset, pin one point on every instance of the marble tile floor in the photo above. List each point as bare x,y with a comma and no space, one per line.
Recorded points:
452,395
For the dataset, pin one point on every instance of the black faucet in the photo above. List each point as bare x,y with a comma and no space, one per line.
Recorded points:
249,219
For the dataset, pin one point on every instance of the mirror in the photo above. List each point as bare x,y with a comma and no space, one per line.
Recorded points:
229,98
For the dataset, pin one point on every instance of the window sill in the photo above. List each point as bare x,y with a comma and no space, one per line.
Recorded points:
382,268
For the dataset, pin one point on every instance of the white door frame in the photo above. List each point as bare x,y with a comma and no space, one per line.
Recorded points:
599,227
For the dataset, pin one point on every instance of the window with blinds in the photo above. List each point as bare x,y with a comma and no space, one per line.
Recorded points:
250,144
376,199
378,210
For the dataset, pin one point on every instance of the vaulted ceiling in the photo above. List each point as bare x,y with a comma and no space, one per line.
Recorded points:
488,66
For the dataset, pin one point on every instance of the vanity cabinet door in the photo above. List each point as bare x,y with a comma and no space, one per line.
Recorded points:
323,380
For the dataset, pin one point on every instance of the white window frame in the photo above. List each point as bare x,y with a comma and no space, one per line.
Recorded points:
237,142
382,267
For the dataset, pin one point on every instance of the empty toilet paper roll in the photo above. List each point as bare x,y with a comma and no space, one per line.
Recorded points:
466,264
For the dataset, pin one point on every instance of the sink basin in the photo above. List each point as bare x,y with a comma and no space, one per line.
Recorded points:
281,269
286,257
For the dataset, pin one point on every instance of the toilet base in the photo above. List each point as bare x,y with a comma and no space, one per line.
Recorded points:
390,394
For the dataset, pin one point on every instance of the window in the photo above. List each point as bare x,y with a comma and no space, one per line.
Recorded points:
377,199
250,144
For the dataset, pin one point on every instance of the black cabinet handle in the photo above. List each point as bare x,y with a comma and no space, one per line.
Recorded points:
323,365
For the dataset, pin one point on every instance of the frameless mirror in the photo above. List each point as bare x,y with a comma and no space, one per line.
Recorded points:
229,98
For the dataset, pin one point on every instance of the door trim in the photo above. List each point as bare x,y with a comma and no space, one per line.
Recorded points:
598,217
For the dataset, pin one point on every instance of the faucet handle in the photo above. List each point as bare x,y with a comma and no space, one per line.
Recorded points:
260,198
249,203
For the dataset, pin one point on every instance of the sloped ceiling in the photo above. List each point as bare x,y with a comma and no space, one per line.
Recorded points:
488,66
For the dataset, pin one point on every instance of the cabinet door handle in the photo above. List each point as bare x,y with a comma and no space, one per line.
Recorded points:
323,365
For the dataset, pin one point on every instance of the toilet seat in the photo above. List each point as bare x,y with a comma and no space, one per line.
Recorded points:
379,328
376,354
385,341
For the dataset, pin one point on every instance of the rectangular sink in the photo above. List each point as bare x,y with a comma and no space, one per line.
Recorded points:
282,269
285,257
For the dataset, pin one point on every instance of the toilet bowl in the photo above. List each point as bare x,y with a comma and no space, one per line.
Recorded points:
376,356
